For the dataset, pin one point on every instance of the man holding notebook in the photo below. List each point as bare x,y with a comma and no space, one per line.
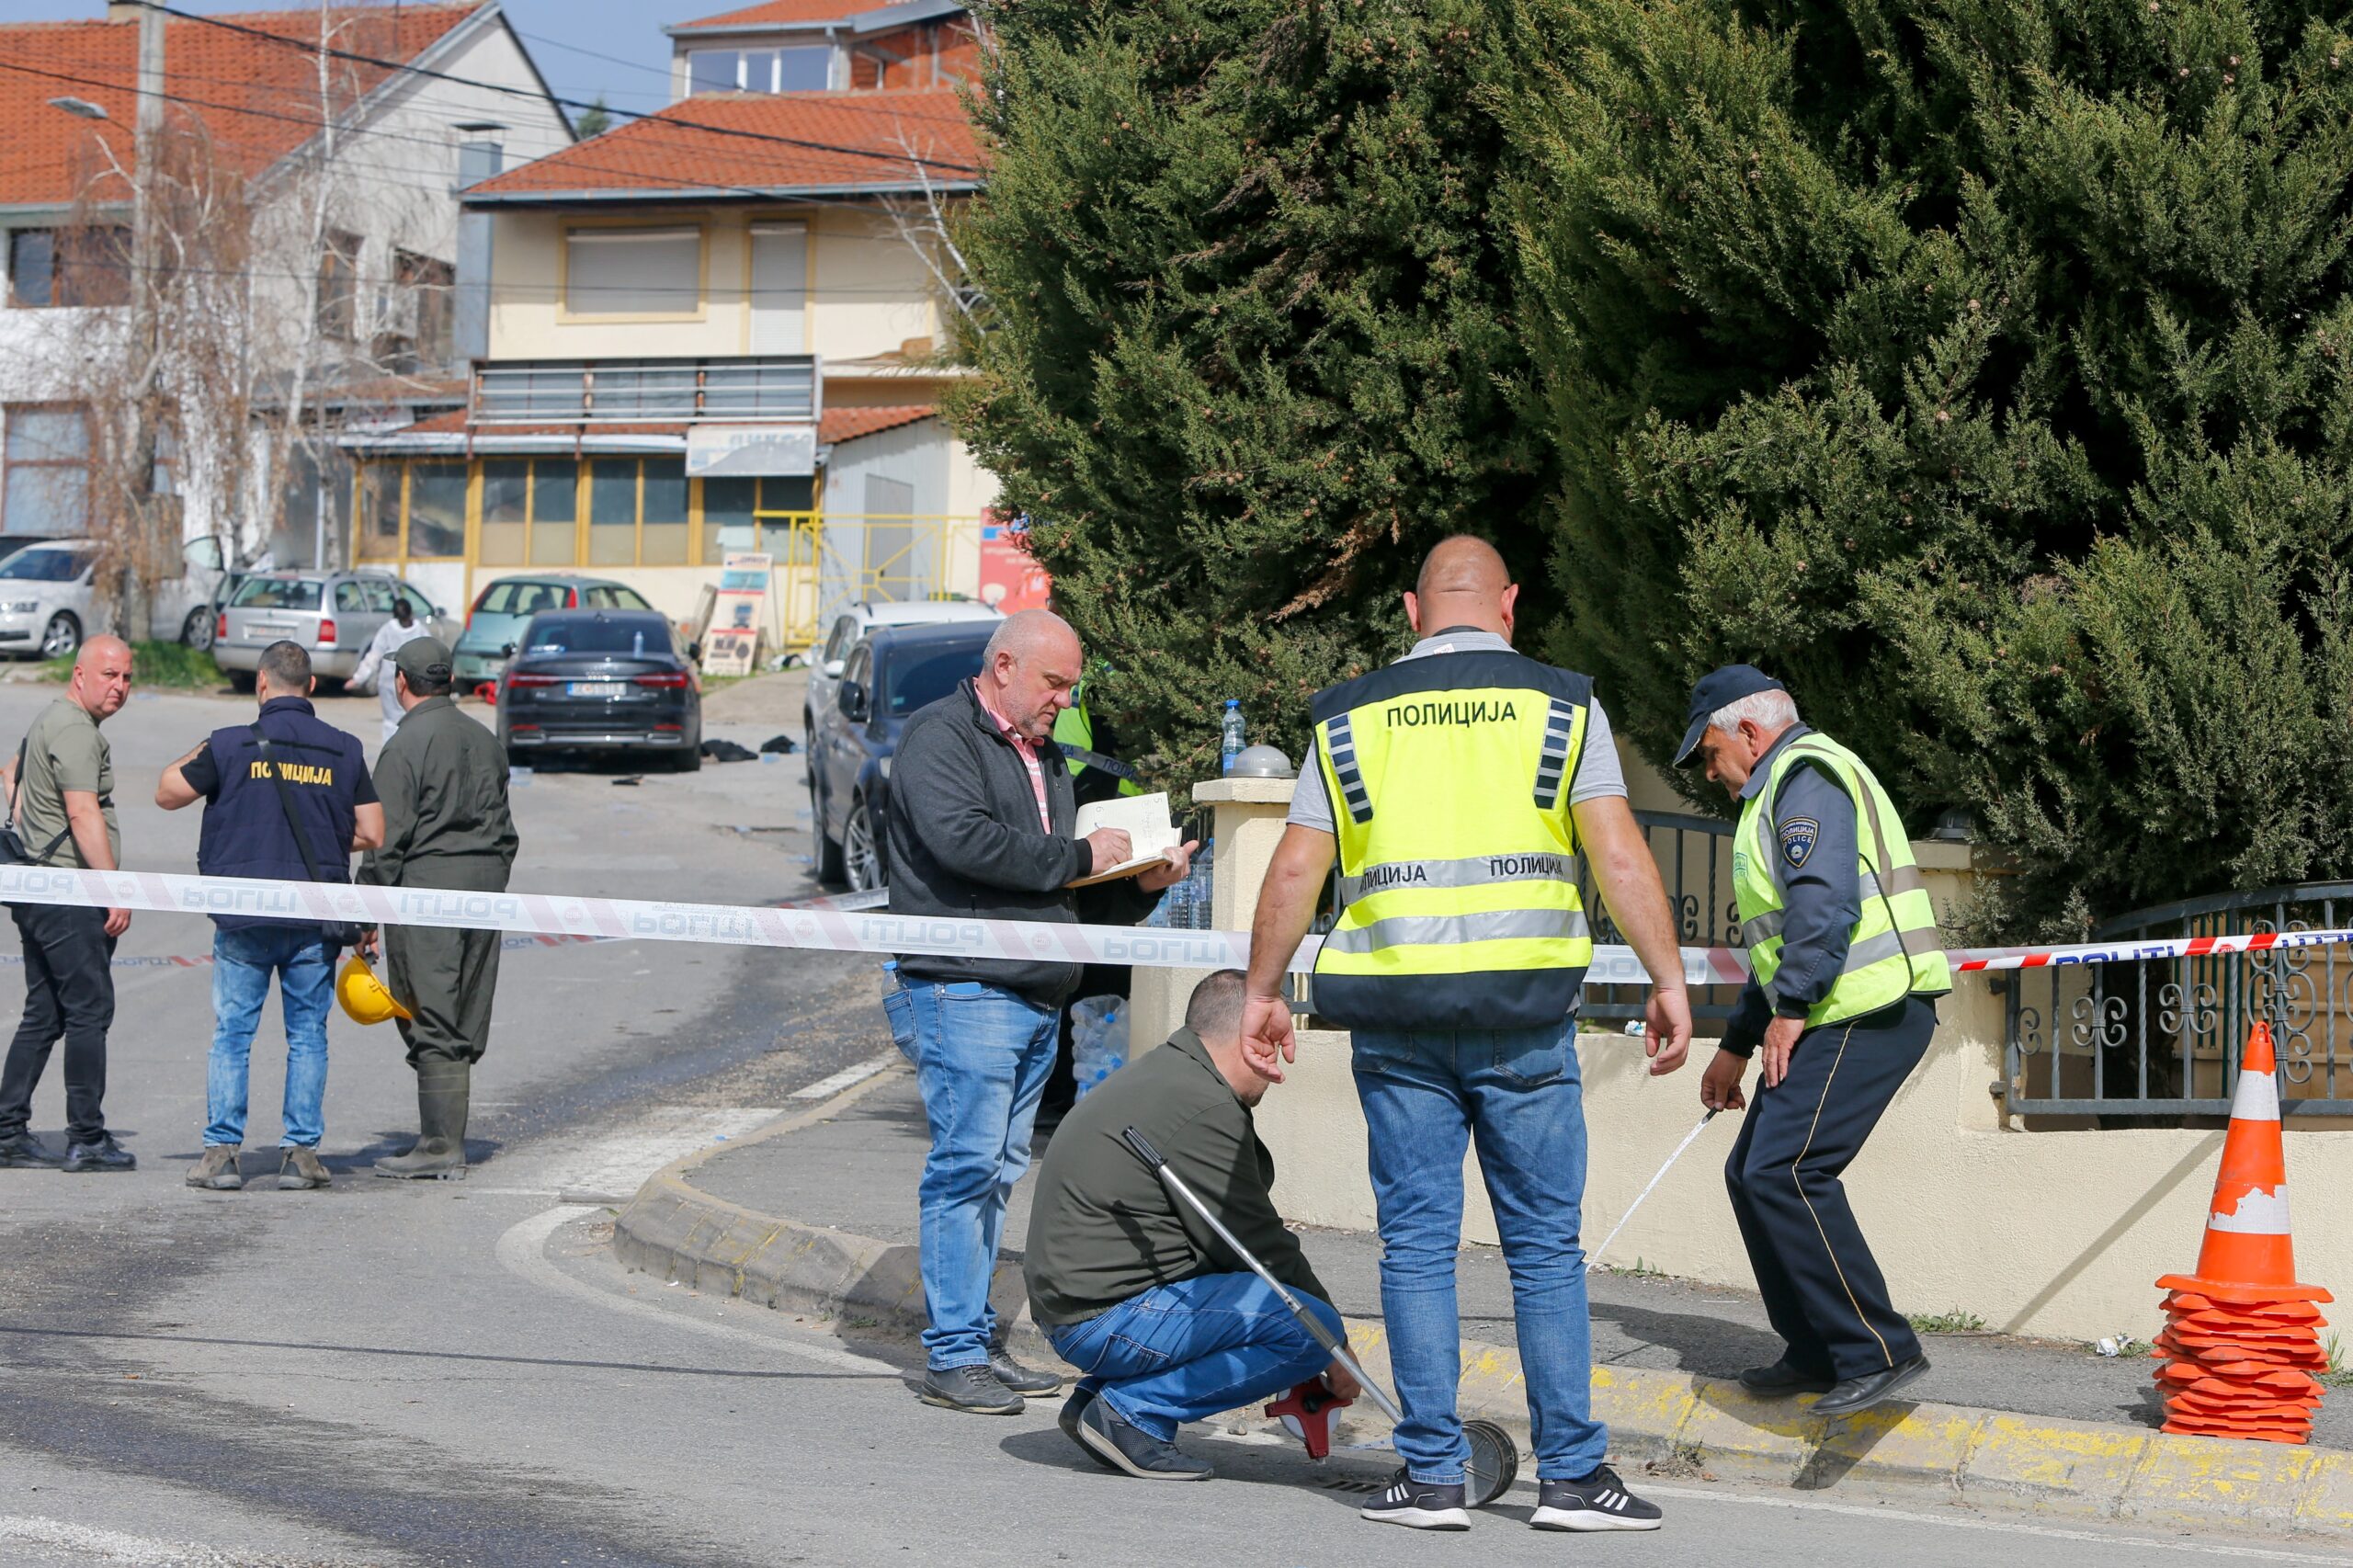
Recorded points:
983,825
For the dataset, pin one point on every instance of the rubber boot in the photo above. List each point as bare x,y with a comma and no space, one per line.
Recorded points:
442,1090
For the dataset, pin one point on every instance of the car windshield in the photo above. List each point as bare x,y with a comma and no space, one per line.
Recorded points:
919,679
277,593
635,634
46,566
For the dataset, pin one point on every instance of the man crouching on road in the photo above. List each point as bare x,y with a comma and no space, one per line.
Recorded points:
1165,1324
983,825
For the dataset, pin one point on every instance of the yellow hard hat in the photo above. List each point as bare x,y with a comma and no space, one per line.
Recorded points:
365,998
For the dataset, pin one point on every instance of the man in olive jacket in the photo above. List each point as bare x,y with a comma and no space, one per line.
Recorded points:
1165,1324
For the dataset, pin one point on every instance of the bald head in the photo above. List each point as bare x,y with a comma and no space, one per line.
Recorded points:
1028,671
1464,583
101,679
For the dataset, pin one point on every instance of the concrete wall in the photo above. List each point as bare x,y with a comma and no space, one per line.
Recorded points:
2060,1233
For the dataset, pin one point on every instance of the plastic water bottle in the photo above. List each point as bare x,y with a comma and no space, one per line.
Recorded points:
1232,742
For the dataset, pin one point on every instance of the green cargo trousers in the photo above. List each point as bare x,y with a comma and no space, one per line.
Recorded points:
447,978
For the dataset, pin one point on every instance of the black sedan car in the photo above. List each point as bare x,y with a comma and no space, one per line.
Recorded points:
601,680
889,675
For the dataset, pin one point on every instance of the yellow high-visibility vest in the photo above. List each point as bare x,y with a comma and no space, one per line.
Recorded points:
1448,777
1894,949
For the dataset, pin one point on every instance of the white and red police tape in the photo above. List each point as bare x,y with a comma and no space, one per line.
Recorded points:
855,923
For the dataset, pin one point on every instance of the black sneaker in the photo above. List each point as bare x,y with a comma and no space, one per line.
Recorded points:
1420,1504
1131,1449
1599,1502
1073,1408
26,1151
106,1154
1021,1379
973,1390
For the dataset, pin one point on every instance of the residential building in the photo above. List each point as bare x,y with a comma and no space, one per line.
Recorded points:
719,329
303,184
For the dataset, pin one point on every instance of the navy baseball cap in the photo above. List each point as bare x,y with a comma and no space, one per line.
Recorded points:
1716,688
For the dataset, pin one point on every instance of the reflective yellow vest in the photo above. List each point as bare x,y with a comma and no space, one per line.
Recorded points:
1075,734
1894,948
1448,777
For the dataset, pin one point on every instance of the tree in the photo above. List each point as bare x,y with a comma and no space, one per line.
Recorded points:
594,121
1242,340
1981,367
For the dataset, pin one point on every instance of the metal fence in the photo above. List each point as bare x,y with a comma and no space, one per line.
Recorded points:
2153,1043
826,561
1694,856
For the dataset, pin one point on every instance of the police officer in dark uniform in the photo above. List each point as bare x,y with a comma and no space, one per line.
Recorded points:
1845,965
287,798
443,780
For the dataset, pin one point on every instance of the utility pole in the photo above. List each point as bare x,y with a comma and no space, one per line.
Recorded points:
148,550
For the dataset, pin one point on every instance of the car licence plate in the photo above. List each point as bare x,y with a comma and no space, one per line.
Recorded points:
593,688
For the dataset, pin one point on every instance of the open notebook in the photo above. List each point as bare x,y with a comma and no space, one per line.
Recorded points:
1144,819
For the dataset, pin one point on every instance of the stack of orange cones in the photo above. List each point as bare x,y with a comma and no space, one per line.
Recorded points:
2242,1341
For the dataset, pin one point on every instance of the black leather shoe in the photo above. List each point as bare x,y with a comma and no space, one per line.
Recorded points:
973,1390
1021,1379
26,1151
1855,1395
106,1154
1134,1451
1781,1377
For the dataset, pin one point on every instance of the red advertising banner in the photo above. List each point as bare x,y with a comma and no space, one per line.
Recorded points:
1011,580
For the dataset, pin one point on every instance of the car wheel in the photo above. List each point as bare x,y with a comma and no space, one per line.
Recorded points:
241,680
197,630
829,854
861,852
62,637
687,761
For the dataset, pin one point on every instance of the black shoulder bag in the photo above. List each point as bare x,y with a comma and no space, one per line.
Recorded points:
12,843
338,932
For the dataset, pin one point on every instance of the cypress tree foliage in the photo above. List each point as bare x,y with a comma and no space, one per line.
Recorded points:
1245,350
1980,367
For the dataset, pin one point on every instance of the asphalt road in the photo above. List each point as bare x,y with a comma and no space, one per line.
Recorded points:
460,1374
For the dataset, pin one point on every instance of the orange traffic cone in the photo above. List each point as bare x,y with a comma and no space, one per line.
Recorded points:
2241,1340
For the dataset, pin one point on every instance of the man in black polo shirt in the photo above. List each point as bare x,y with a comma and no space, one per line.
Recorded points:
287,797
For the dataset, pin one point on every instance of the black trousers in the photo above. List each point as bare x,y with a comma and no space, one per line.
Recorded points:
69,992
1822,1287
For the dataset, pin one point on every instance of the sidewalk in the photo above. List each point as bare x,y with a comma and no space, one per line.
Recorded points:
817,1214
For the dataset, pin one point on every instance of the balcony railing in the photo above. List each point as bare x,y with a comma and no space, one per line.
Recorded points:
608,392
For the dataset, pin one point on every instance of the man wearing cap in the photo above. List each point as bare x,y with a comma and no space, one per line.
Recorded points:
442,778
1458,788
1845,967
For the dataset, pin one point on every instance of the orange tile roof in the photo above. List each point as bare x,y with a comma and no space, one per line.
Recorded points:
782,13
752,143
256,100
838,424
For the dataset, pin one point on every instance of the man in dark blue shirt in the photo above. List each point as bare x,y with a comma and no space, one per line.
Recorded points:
286,798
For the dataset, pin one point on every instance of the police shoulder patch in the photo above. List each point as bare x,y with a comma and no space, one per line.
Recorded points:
1799,835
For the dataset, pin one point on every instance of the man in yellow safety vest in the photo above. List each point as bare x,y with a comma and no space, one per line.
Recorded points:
1845,965
1458,788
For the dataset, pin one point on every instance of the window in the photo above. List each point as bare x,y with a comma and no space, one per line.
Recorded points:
47,489
922,679
638,511
338,313
349,599
838,643
529,509
633,272
805,69
49,267
38,565
277,593
417,605
600,634
437,509
424,285
377,594
751,513
380,511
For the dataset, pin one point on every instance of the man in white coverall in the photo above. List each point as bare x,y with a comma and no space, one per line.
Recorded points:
391,637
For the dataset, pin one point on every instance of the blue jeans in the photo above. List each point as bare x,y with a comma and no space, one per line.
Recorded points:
242,961
1181,1352
1516,1091
981,1055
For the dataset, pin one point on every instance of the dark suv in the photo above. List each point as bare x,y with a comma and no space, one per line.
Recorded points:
888,677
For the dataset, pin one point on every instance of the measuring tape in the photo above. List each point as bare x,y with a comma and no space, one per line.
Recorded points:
857,924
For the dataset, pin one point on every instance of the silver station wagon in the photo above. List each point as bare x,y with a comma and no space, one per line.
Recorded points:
334,614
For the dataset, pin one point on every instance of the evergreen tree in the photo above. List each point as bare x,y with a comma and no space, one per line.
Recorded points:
1981,367
594,121
1247,349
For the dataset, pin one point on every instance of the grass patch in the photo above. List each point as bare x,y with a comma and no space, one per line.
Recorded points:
1638,1269
156,666
2340,1369
1953,1322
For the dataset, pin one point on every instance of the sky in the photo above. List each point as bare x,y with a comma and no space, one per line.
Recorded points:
615,49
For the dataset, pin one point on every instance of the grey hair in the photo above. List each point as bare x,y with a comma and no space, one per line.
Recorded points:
1766,710
1020,633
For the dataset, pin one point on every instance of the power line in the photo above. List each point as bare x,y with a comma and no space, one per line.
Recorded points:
665,119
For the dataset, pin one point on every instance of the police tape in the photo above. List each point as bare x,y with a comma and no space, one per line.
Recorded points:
855,923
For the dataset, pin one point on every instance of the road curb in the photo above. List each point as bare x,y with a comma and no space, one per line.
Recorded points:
1682,1424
